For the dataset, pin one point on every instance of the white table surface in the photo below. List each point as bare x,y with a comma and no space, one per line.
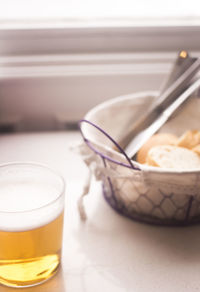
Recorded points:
107,253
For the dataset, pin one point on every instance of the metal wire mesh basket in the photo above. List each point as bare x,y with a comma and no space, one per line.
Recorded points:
142,193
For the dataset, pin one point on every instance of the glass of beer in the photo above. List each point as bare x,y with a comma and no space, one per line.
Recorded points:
31,223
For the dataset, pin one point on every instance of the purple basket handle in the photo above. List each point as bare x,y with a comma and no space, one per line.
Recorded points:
129,165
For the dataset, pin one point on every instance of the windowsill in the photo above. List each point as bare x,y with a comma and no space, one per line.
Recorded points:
98,39
52,92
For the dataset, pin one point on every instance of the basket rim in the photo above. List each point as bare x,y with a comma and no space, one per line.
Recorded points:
142,167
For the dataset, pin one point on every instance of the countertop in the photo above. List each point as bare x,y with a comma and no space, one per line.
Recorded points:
107,252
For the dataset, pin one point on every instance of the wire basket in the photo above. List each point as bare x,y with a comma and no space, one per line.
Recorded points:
147,194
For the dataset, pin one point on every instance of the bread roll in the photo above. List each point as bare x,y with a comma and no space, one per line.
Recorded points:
196,149
157,139
189,139
167,156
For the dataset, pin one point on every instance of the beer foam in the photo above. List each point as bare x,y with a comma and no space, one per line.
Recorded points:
26,205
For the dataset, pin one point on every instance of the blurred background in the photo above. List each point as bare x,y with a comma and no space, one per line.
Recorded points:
58,59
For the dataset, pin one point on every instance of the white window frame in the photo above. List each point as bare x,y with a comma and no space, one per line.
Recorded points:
124,59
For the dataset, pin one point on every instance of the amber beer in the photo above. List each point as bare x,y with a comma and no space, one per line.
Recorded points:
30,238
40,257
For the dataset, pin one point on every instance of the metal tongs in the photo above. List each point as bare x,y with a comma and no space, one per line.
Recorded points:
175,92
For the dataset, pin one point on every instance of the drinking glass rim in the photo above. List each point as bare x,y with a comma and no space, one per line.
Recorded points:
41,165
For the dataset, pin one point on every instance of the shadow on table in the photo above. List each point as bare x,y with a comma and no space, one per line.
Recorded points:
126,252
55,284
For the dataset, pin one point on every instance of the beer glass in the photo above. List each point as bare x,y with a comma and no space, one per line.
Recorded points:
31,223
